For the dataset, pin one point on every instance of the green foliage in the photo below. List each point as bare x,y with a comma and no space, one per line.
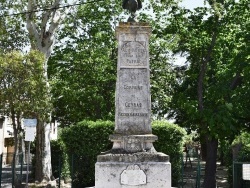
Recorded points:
13,34
211,95
23,91
241,149
22,87
170,141
224,64
59,159
162,72
225,152
244,140
83,72
85,140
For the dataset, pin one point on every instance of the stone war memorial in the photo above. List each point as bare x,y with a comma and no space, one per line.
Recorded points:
133,161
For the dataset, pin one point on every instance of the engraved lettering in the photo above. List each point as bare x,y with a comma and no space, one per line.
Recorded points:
133,53
133,105
139,49
134,61
133,77
128,55
132,87
133,114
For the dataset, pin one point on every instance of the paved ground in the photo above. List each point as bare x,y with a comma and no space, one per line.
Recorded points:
190,179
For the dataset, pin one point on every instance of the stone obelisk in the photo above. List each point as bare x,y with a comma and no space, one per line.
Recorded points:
133,161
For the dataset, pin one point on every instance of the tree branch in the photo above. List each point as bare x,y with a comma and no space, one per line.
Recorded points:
203,69
31,26
236,81
57,16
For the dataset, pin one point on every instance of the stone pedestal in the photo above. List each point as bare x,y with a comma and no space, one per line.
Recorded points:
133,161
143,175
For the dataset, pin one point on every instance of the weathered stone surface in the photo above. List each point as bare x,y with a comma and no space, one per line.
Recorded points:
133,143
109,175
133,99
133,102
133,175
133,157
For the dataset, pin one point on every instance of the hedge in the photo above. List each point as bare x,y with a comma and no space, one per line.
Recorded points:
242,142
81,143
170,141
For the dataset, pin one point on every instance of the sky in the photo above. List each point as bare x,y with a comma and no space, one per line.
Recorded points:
191,4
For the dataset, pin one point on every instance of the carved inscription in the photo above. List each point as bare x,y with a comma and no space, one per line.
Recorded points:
133,92
133,95
133,105
133,53
129,87
134,114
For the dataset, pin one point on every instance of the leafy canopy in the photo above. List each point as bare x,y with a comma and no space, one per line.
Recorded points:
22,86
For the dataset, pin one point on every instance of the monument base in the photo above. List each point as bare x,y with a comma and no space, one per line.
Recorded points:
144,170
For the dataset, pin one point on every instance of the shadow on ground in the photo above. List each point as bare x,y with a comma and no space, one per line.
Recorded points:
191,178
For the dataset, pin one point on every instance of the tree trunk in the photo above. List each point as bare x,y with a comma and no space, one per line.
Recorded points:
43,169
14,126
203,147
210,169
42,37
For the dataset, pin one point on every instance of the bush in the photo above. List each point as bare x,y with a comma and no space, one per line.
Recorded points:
244,141
59,159
241,150
170,142
56,151
87,139
83,142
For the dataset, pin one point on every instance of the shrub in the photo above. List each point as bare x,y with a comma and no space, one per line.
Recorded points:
170,142
56,151
241,150
244,141
83,142
59,159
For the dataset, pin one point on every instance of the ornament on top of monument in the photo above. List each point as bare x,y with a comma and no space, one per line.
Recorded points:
132,6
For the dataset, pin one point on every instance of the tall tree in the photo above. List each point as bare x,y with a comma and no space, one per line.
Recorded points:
22,89
214,40
42,18
42,27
